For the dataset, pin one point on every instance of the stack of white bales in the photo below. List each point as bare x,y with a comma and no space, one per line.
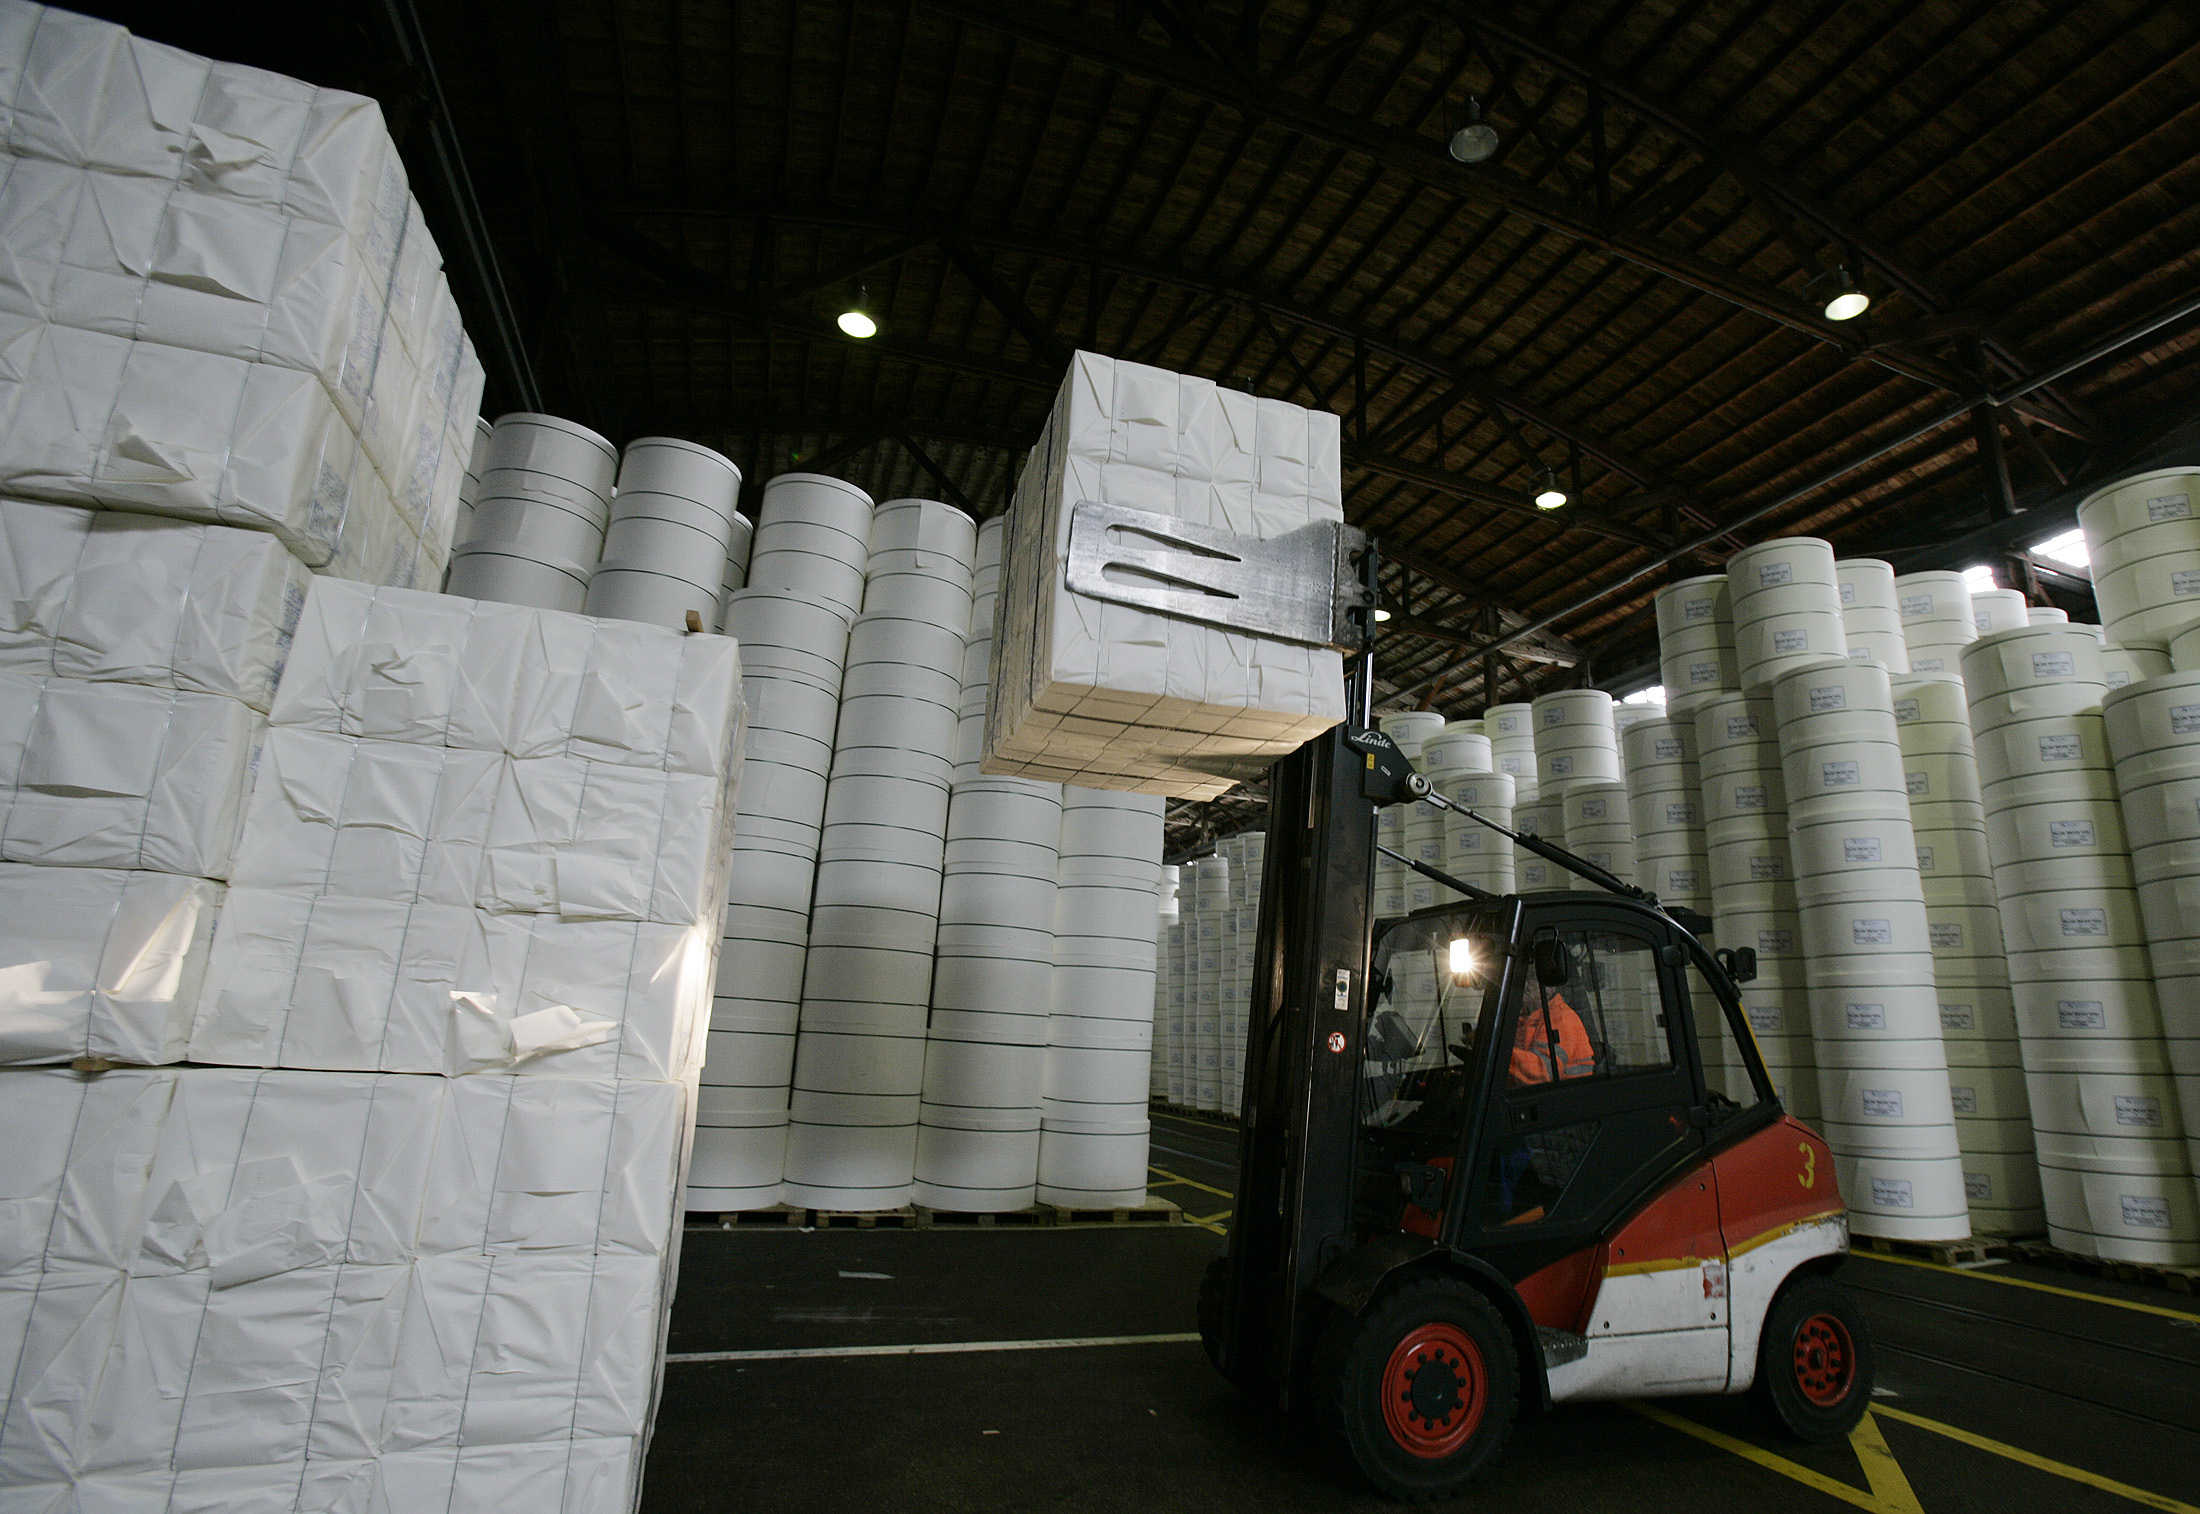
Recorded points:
1203,1049
2153,730
2114,1173
859,1068
805,587
1753,902
673,523
1242,948
1875,1017
1665,811
459,858
1157,1080
1110,696
993,968
224,271
1093,1122
537,527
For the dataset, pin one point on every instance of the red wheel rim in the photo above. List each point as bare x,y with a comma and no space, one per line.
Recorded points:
1434,1390
1825,1360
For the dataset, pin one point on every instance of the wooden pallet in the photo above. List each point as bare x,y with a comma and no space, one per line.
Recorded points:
1945,1253
1186,1112
2184,1280
1152,1212
781,1215
904,1218
956,1219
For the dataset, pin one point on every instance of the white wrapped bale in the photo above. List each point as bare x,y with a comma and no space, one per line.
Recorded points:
117,598
100,963
1110,696
419,1292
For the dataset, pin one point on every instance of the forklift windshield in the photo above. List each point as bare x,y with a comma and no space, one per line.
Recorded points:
1433,976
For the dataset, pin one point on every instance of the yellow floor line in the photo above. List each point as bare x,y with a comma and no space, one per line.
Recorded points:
2042,1463
1809,1477
1169,1177
2025,1282
1881,1470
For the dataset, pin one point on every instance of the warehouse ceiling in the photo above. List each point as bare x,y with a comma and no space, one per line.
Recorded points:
654,212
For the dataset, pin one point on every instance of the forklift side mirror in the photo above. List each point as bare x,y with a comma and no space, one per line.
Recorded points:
1551,965
1740,962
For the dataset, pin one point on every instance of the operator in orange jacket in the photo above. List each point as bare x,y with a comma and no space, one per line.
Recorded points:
1552,1042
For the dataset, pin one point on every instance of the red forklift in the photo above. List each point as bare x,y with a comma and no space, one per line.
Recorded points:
1484,1163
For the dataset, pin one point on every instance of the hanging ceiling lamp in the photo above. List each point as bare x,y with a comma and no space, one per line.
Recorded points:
856,319
1847,302
1548,495
1475,142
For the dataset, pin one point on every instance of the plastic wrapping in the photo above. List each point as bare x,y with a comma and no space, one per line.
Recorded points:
100,963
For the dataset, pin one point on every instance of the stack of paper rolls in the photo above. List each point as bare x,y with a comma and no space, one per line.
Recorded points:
1938,621
1977,1016
1787,608
1871,612
1511,729
993,966
1157,1077
1545,818
2114,1174
1665,812
1598,830
1753,901
791,621
539,514
1696,642
1875,1019
1093,1125
874,916
2142,539
1210,905
671,525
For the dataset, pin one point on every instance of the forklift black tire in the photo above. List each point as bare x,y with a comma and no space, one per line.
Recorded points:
1815,1362
1210,1310
1421,1385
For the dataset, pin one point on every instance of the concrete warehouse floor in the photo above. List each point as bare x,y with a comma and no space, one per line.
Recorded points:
2006,1387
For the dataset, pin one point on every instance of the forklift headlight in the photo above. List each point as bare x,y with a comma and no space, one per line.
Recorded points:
1461,959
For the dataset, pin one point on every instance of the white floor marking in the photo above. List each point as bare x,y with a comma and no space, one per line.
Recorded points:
933,1348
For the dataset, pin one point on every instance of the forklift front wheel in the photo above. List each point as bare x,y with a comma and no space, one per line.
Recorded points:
1814,1362
1424,1386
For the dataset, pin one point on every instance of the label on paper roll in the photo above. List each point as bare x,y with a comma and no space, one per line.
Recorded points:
1914,605
1956,1017
1763,868
1834,698
1508,764
1791,641
2085,922
1964,1100
2080,1014
1867,1016
1562,764
1860,849
1703,672
1683,813
1858,654
1978,1187
2140,1110
2118,678
2144,1211
1681,881
1533,872
1928,664
1917,783
1946,935
2070,833
2185,584
1667,746
1871,932
1924,859
1906,710
1775,943
2169,507
1592,809
1430,851
1840,774
1772,574
2063,748
2184,719
1765,1017
1848,594
1982,620
1696,609
1554,714
2054,665
1470,843
1739,726
1749,797
1507,724
1891,1193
